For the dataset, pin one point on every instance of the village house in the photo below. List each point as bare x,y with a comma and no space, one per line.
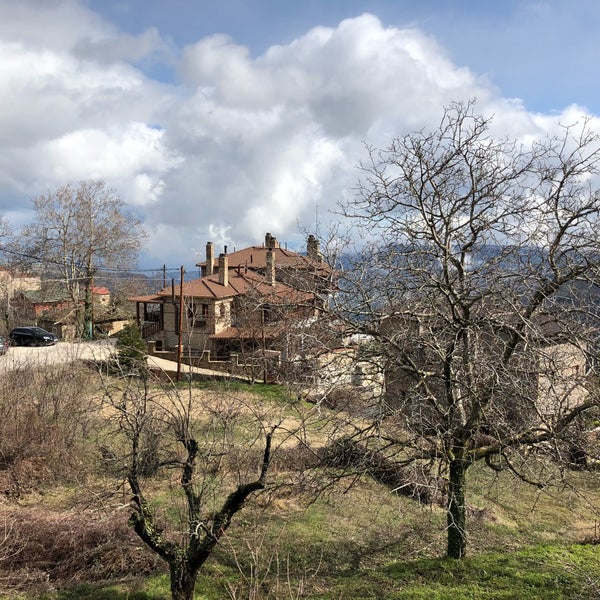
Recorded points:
12,282
255,301
546,376
50,306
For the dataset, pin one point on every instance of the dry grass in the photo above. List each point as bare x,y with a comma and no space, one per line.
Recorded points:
44,548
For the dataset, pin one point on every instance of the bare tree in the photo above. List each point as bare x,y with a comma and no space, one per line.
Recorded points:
77,231
5,232
476,284
158,432
4,287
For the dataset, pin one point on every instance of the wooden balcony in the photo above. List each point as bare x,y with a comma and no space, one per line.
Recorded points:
150,328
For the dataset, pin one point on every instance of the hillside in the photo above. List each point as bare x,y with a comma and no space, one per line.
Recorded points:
66,534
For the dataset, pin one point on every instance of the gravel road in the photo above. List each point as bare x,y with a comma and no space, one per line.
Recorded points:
67,352
61,353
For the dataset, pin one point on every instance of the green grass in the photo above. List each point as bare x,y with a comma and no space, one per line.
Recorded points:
365,543
544,572
266,391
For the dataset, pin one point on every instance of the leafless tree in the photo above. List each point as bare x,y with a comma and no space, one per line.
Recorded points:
219,454
5,232
475,280
75,232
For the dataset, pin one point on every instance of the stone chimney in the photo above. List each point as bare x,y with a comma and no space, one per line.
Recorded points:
271,241
210,258
313,248
223,269
270,266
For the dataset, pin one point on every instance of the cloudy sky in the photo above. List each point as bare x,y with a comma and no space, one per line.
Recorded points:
222,120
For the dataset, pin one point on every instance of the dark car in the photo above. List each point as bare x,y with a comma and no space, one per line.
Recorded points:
32,336
3,346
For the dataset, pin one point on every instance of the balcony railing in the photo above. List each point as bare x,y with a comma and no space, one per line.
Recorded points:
149,329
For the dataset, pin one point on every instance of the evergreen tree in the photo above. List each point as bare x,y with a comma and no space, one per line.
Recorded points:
131,350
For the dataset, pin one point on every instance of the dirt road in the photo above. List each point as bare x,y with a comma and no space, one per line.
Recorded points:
61,353
67,352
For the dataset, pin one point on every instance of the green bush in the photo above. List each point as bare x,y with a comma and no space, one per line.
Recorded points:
132,351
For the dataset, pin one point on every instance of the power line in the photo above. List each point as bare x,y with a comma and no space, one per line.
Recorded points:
97,268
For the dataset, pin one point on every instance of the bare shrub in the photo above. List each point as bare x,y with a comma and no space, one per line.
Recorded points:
341,398
45,416
295,458
266,572
407,480
47,548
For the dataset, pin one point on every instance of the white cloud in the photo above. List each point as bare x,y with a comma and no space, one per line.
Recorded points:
50,24
123,47
134,156
267,139
244,145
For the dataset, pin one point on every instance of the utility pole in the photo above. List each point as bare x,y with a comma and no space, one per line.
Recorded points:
180,344
92,305
88,311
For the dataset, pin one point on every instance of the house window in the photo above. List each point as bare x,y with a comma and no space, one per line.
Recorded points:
197,314
270,313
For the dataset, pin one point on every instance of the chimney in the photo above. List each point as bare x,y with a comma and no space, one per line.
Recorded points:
271,241
223,270
270,266
210,258
313,248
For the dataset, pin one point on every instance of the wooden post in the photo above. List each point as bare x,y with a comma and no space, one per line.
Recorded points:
180,341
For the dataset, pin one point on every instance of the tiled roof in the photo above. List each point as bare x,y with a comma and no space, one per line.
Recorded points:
148,298
240,282
255,257
101,291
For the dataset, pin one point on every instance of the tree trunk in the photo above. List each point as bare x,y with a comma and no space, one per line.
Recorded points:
456,509
183,581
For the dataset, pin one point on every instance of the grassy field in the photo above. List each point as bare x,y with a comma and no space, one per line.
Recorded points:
358,542
536,573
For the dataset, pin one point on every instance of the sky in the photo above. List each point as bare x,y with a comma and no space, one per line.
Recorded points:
223,120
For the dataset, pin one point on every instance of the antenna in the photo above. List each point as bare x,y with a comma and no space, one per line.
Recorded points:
198,255
316,219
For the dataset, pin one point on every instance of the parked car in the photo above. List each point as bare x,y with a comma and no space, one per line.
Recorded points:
32,336
3,346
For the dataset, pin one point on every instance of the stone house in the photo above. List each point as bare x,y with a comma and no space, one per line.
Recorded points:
244,303
12,282
546,376
52,308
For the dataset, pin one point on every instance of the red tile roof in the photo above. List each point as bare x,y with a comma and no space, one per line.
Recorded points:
255,257
101,291
240,282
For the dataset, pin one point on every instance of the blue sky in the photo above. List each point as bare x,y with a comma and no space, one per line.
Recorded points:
222,120
544,52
